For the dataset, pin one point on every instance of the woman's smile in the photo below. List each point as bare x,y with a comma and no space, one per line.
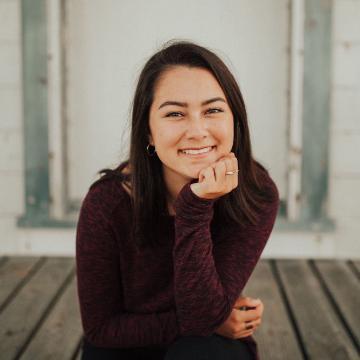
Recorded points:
198,154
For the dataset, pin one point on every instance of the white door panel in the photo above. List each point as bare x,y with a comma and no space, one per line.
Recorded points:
108,42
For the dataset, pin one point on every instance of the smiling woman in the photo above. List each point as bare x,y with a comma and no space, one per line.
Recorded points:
195,127
167,240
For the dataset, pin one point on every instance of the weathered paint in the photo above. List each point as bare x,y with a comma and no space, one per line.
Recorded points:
316,110
35,112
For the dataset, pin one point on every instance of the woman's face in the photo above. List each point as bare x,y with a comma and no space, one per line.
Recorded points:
200,118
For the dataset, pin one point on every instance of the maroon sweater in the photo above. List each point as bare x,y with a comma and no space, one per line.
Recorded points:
149,297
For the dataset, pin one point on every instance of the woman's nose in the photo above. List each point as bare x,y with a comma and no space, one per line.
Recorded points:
197,126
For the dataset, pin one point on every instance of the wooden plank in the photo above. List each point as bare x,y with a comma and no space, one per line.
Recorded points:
22,316
345,290
79,354
12,274
321,330
3,260
60,334
275,336
79,348
356,264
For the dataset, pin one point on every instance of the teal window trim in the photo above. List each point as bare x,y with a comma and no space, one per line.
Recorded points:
316,117
316,112
35,115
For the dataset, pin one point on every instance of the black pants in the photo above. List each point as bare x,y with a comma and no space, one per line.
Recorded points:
215,347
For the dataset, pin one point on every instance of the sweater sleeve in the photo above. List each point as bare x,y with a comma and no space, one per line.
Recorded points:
104,320
209,278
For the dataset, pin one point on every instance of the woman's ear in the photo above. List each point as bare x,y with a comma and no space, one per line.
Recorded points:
151,142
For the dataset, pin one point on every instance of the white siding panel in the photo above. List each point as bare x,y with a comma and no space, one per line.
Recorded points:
345,152
345,109
11,153
346,20
9,20
346,72
10,108
345,197
12,193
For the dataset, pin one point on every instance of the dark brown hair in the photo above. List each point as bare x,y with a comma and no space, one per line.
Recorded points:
146,181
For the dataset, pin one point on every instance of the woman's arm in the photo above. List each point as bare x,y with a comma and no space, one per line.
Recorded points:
208,279
99,285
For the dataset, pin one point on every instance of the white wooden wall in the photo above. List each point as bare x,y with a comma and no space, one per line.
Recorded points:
344,183
11,132
108,42
272,20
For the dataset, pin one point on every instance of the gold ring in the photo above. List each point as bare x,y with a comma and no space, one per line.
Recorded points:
232,172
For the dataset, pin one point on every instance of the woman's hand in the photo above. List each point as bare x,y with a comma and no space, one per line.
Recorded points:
213,182
234,326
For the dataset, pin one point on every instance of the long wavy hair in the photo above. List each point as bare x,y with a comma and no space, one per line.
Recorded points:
145,179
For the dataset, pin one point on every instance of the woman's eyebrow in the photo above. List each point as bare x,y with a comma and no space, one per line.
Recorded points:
184,104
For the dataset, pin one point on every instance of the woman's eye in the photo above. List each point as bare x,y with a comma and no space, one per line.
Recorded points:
217,110
170,114
212,111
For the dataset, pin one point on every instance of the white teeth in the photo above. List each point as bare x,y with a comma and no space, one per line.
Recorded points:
194,152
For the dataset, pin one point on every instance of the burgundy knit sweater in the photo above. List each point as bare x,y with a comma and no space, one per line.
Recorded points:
187,286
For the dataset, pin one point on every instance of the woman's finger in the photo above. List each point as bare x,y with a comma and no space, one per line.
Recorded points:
220,169
213,180
242,334
251,324
245,301
201,175
230,179
248,315
235,167
209,175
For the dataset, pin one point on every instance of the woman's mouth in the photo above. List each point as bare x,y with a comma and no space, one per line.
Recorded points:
201,153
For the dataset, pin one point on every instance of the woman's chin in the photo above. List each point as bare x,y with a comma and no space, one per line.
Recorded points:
190,175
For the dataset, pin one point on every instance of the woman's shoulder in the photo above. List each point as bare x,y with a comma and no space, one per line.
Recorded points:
106,193
270,201
267,183
119,178
125,179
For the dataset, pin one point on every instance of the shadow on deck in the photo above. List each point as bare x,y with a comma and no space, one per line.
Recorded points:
312,308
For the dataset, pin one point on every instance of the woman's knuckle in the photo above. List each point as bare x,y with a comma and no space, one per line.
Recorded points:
247,326
237,329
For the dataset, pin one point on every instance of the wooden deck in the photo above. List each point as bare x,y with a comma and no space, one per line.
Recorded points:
312,309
